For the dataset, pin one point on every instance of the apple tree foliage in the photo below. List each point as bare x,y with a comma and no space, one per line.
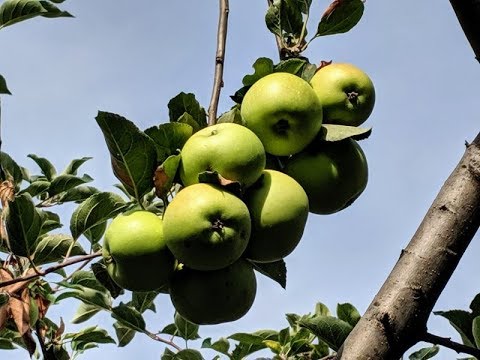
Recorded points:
37,252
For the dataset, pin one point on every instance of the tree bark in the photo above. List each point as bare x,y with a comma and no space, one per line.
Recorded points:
397,317
468,14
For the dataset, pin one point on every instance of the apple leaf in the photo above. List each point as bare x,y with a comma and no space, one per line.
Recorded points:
129,317
144,300
462,322
13,11
95,234
85,312
222,345
132,153
297,66
425,353
72,168
3,86
186,103
87,295
276,271
66,182
53,11
23,224
103,277
263,66
186,329
340,17
329,329
50,221
124,334
77,194
284,18
11,170
165,175
37,187
89,338
347,312
331,132
231,116
476,330
97,209
213,177
169,138
475,305
46,167
52,248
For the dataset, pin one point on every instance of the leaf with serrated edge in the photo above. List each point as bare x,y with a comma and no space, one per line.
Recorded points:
263,67
340,17
276,271
329,329
3,86
97,209
132,152
347,312
331,132
129,317
169,138
186,103
53,248
425,353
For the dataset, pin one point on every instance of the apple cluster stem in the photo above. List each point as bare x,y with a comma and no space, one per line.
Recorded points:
219,61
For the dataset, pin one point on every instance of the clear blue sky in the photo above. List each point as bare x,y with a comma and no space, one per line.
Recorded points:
131,57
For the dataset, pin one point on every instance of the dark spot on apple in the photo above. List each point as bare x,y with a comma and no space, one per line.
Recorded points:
214,132
281,126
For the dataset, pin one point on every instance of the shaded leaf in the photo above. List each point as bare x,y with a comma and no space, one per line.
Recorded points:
50,221
255,338
95,234
284,18
23,224
476,331
74,165
66,182
425,353
84,313
276,271
186,329
231,116
103,277
169,138
11,169
53,11
78,194
462,322
46,167
87,295
132,152
14,11
331,132
7,193
124,334
165,175
97,209
340,17
347,312
37,187
129,317
263,67
328,328
475,305
221,345
53,248
213,177
88,338
143,301
170,329
186,103
3,86
187,354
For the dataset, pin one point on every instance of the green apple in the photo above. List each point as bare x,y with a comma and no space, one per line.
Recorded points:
284,112
347,94
214,297
232,150
333,174
135,252
279,209
206,227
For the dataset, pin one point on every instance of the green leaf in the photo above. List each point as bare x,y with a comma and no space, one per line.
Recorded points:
221,345
169,138
284,18
93,335
53,248
328,328
36,188
274,346
165,175
23,224
297,66
186,103
85,312
425,353
101,274
3,86
476,331
72,168
263,67
186,329
170,329
97,209
340,17
143,301
66,182
14,11
129,317
46,167
95,234
53,11
7,344
11,169
231,116
77,194
124,334
255,338
347,312
475,305
51,221
187,354
331,132
87,295
133,153
276,271
462,322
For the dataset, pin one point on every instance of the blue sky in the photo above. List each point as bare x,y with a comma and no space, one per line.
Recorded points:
131,57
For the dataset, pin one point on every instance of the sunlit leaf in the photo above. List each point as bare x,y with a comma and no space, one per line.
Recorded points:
263,67
328,328
347,312
66,182
84,313
53,248
332,132
340,17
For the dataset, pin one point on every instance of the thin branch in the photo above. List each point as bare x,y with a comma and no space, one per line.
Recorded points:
2,171
468,14
278,39
448,343
219,61
162,340
51,269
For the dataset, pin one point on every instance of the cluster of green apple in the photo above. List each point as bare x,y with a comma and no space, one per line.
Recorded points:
203,248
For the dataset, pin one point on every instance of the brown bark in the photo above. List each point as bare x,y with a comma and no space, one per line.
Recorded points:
397,317
468,14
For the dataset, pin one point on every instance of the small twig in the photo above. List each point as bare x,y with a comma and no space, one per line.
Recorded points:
448,343
219,61
51,269
85,263
162,340
41,341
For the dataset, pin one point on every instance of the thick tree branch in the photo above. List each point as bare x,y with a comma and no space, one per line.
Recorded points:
396,319
51,269
468,14
219,61
448,343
